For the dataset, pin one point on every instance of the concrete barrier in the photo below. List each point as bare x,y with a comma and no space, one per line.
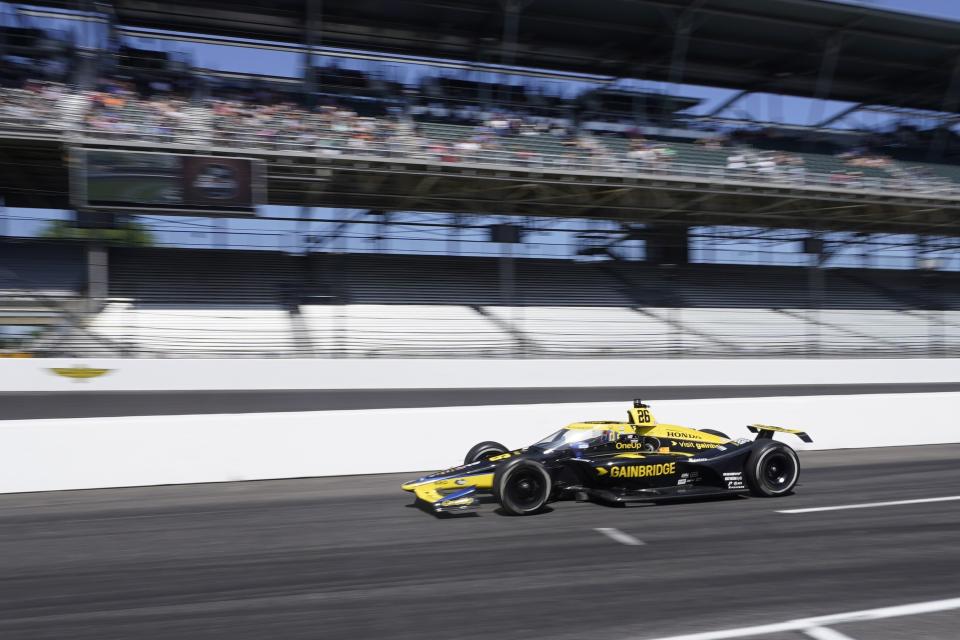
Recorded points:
57,374
40,455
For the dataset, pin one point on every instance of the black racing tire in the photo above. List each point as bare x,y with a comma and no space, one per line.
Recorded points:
714,432
522,486
483,451
772,469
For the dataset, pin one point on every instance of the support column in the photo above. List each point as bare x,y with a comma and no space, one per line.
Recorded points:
508,288
221,234
453,240
508,235
814,246
951,100
508,43
927,265
667,244
681,42
381,228
98,274
511,28
828,65
507,276
936,318
678,58
311,39
89,50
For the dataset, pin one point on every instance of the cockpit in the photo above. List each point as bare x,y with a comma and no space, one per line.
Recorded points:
581,436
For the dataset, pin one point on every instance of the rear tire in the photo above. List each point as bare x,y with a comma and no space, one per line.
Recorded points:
772,469
522,486
483,451
714,432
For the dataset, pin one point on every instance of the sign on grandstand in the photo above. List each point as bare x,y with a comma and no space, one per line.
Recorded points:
107,179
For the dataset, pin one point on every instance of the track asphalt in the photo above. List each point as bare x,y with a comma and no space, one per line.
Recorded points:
352,558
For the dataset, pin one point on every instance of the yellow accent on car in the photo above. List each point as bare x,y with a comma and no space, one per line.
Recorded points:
676,432
430,490
770,429
618,427
641,417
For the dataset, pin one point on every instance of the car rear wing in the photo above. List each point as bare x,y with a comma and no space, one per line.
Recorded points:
766,432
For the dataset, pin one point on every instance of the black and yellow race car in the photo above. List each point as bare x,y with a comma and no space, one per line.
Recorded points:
615,462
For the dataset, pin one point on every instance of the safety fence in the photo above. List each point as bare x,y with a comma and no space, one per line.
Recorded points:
124,328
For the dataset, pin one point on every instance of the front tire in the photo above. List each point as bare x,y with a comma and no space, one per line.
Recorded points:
522,486
484,451
772,470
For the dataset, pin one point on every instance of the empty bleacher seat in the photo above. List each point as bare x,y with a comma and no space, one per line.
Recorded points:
403,331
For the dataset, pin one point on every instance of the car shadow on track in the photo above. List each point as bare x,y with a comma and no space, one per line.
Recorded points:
426,508
490,500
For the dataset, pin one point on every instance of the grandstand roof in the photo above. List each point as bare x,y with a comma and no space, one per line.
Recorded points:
772,46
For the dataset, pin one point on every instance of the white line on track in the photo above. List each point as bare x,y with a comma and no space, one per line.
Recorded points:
869,505
619,536
825,633
807,624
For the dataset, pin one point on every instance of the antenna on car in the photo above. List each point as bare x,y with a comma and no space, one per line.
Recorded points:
638,404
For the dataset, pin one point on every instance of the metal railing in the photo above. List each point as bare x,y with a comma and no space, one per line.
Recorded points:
574,162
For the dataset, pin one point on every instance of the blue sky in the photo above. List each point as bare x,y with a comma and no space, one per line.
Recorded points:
946,9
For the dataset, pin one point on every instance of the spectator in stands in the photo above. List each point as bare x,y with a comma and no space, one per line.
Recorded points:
665,153
644,155
764,165
838,178
795,168
263,117
736,162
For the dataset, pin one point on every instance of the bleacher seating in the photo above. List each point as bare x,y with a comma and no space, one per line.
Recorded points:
196,330
231,303
561,331
772,287
402,331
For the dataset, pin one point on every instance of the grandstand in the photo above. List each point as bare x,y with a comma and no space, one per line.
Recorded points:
456,141
208,303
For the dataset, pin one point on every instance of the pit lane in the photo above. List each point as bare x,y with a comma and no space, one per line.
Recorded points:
350,557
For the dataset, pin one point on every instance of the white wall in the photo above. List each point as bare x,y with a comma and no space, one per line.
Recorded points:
188,374
38,455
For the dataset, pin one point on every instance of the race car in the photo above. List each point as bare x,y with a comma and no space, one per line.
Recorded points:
615,462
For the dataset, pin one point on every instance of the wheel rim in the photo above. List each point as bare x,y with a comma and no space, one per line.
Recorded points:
525,489
778,471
